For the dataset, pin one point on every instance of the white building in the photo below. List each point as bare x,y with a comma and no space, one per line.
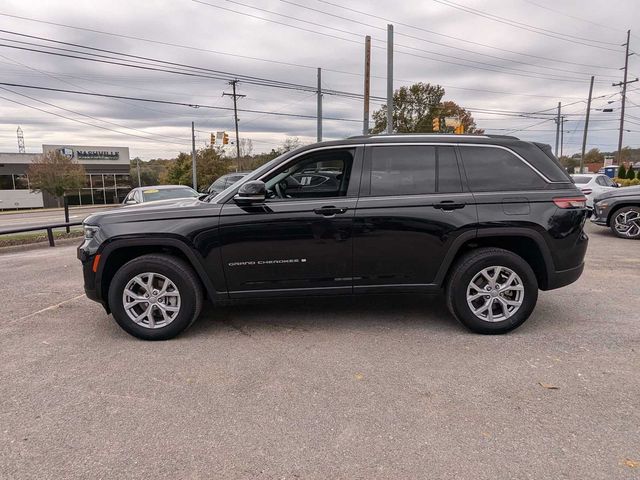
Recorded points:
107,180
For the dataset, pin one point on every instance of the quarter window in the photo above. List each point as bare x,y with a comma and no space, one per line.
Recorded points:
496,169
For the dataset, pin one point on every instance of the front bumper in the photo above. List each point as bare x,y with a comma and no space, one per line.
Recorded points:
90,286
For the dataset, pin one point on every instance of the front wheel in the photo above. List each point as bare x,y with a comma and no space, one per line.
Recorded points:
625,222
155,297
491,290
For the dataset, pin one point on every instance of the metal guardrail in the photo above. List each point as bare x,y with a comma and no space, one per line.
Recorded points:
48,228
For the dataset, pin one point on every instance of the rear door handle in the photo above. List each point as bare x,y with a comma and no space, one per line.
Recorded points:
449,205
329,211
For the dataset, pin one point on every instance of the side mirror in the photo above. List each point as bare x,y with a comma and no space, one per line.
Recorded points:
254,191
130,201
615,184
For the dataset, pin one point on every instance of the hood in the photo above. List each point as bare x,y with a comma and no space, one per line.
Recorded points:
621,192
158,210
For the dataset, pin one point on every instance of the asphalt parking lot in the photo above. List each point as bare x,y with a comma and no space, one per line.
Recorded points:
377,387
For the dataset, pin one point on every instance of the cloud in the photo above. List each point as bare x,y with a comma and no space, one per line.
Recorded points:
489,78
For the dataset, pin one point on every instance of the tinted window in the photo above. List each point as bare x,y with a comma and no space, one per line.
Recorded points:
496,169
607,181
581,179
400,170
448,173
317,175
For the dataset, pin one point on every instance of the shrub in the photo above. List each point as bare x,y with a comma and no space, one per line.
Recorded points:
631,174
622,172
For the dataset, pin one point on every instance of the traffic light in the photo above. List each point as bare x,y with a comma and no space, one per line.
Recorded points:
436,124
225,138
213,140
459,129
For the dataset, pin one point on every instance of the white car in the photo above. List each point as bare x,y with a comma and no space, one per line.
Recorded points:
593,185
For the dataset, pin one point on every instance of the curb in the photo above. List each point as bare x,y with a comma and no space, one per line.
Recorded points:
36,245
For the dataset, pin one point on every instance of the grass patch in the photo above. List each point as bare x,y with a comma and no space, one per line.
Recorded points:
39,236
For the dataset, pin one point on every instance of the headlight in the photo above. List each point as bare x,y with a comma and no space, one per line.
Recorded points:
602,205
90,231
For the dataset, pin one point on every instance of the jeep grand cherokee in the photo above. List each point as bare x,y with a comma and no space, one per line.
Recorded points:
488,220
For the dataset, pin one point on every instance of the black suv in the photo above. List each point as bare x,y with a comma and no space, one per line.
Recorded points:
488,219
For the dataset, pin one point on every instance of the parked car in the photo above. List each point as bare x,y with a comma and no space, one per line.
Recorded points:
489,220
159,192
593,185
620,211
225,181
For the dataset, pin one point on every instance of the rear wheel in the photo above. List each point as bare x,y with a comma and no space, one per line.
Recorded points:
155,297
491,290
625,222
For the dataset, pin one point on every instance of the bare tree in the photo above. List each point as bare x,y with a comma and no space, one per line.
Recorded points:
246,147
55,173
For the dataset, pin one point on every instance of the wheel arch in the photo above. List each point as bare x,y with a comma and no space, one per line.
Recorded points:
524,242
618,205
119,251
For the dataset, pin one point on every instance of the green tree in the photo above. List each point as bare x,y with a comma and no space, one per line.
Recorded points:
210,164
55,173
593,156
151,171
416,106
631,174
622,172
570,163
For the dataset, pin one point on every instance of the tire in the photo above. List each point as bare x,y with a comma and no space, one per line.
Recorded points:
522,290
181,309
625,223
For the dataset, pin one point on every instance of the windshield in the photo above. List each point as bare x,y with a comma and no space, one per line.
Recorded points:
153,194
581,179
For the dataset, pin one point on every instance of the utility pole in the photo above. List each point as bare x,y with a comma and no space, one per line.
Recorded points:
319,109
193,157
624,95
138,168
561,135
235,114
586,125
367,84
558,127
389,78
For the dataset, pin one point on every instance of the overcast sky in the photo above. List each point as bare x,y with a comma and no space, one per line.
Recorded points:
492,57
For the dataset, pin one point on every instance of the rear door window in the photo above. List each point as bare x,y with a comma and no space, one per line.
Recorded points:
496,169
413,170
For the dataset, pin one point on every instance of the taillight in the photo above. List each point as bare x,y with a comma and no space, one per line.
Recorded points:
570,202
586,191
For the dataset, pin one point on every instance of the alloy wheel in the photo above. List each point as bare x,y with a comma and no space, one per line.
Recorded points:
151,300
495,294
627,223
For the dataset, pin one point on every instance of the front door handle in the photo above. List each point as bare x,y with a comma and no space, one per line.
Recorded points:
329,211
449,205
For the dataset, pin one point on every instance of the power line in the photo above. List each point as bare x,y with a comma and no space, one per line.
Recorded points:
95,118
524,26
459,39
530,74
458,48
272,61
81,121
168,102
573,16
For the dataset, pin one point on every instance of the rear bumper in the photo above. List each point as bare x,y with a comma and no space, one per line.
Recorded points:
561,278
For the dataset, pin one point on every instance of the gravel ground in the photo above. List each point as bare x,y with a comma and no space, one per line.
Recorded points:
377,387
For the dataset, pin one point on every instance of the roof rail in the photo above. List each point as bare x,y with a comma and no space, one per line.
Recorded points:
430,134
